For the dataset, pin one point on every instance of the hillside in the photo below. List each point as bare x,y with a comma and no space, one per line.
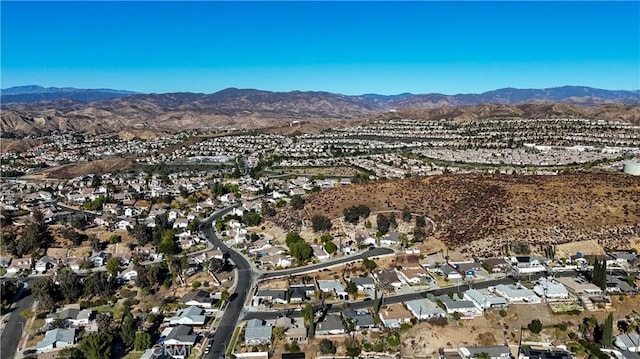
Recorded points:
247,108
480,213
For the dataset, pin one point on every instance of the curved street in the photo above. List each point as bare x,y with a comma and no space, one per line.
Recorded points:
13,328
244,282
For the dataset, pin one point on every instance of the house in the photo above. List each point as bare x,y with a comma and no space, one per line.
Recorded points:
275,296
448,271
319,252
628,341
198,298
529,264
359,319
45,263
20,264
622,258
301,293
180,223
257,332
331,325
125,224
277,260
99,259
495,265
424,309
188,316
55,339
412,275
72,316
389,278
75,263
489,352
484,301
363,238
178,341
390,239
296,331
579,286
517,293
467,269
364,283
465,308
333,286
394,315
527,352
128,274
550,289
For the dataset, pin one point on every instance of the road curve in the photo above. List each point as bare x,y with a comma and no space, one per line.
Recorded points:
12,332
244,282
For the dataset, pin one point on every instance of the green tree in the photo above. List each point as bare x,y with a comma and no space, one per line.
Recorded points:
535,326
308,313
406,214
369,264
297,202
113,266
383,223
421,222
352,289
196,284
278,333
69,284
330,247
97,346
69,353
301,251
320,223
45,292
167,243
326,346
142,341
353,348
128,329
607,331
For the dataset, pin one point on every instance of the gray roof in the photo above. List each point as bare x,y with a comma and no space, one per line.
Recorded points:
273,293
494,351
362,281
361,318
421,307
181,333
330,322
57,335
628,340
256,329
332,284
455,304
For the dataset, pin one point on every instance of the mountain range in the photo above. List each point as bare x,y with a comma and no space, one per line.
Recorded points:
35,109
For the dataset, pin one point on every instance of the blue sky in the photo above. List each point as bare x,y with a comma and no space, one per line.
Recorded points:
344,47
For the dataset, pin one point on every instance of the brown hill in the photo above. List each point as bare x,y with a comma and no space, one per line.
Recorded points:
484,212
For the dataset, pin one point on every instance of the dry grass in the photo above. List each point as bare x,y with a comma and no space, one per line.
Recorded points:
83,168
480,213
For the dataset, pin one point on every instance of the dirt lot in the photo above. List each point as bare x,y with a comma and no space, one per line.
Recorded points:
567,250
424,339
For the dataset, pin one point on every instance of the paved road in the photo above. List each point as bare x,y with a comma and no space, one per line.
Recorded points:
244,283
12,331
400,298
312,268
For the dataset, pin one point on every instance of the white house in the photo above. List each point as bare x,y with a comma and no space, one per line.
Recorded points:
517,293
424,309
550,289
128,274
628,341
55,339
189,316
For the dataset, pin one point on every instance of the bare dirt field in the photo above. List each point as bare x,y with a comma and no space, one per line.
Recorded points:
479,213
424,339
587,247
